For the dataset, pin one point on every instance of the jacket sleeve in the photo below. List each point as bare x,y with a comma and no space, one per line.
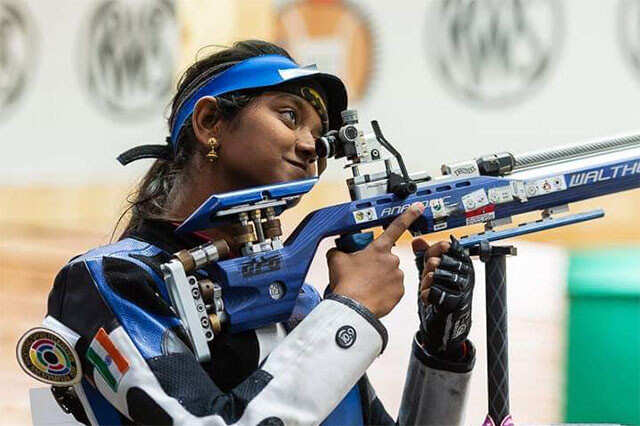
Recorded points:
133,355
435,390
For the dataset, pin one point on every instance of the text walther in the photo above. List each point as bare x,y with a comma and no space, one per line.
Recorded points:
605,173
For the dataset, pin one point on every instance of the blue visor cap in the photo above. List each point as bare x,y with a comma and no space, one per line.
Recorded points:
264,71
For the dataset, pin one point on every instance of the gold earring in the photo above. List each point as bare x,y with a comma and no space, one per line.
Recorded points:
213,153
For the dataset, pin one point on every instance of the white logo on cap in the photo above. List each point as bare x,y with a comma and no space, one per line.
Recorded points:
298,72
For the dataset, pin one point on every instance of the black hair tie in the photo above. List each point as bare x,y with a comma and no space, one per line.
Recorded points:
163,152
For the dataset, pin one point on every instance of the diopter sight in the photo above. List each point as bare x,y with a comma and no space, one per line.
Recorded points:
360,148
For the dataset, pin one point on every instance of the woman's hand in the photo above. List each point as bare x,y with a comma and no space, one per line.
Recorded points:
372,276
446,291
432,256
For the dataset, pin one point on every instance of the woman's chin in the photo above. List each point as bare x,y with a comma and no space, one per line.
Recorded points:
286,176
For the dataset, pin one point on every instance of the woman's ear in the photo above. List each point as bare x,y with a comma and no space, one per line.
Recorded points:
206,120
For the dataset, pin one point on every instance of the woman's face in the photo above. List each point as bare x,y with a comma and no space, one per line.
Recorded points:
271,140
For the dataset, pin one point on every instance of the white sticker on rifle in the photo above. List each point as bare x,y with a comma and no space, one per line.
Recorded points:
439,226
475,200
545,186
500,195
480,218
365,215
438,208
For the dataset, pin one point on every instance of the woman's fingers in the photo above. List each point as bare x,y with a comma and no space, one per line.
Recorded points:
448,263
431,259
372,276
451,275
433,254
431,264
419,245
394,231
424,296
459,281
439,265
427,281
438,249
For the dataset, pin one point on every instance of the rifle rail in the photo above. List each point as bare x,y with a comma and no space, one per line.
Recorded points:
574,151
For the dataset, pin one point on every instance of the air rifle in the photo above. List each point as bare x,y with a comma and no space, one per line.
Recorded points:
261,286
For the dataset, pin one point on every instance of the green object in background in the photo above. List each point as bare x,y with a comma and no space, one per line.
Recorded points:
603,360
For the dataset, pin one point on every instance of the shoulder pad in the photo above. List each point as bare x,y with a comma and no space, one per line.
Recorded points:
121,248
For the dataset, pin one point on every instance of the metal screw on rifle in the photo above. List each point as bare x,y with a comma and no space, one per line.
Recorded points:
276,290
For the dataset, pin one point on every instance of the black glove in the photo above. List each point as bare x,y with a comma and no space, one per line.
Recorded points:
446,321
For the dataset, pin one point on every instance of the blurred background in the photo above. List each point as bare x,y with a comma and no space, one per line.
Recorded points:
83,80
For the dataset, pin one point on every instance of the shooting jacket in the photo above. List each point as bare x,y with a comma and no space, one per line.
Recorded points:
309,370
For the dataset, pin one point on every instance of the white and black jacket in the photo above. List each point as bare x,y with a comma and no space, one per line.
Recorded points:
310,370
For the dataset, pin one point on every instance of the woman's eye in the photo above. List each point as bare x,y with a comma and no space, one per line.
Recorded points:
290,115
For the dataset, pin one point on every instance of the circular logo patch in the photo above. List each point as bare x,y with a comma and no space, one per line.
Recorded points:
46,356
346,336
18,49
629,32
494,52
127,57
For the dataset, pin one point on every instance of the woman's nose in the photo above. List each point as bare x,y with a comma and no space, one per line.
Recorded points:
306,147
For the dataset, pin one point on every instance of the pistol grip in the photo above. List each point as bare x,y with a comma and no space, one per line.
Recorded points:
350,243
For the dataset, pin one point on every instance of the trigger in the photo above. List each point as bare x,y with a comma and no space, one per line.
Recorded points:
419,226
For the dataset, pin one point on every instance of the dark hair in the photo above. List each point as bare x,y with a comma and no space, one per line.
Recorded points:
149,199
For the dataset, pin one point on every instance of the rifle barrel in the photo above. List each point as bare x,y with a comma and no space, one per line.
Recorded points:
574,151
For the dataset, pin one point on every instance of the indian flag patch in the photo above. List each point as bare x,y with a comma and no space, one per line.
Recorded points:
107,359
